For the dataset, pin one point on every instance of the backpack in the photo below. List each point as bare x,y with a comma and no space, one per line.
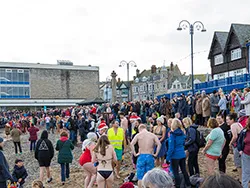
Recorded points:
200,140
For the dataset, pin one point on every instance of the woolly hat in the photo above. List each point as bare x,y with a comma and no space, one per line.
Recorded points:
160,119
102,126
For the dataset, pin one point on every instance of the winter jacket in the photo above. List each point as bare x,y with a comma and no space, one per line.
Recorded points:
65,147
15,134
176,145
33,133
19,172
246,103
223,104
190,143
240,142
4,169
206,107
214,100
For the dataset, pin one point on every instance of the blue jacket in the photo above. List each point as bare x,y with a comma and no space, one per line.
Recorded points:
4,169
190,143
176,145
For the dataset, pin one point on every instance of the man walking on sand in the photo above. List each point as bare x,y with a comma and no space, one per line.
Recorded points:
146,156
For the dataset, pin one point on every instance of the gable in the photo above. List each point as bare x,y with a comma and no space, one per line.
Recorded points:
123,86
233,42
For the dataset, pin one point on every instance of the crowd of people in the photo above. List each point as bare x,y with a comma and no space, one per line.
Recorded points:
163,137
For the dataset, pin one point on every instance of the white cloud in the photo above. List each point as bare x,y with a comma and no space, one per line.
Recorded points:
103,33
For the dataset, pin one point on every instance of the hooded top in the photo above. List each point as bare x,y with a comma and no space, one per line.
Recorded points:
176,145
44,148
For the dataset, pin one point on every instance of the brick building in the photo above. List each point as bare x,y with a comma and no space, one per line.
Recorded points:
61,84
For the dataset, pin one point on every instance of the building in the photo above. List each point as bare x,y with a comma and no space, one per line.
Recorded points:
159,81
52,85
229,53
124,91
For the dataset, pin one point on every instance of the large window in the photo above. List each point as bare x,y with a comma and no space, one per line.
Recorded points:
14,83
218,59
235,54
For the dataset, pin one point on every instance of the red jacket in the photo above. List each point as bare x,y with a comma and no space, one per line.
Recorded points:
33,133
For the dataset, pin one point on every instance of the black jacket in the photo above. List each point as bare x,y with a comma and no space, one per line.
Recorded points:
44,150
19,173
4,169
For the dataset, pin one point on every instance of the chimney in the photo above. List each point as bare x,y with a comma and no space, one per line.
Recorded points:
137,72
119,80
153,69
171,66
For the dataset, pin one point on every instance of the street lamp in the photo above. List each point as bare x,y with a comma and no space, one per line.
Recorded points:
198,25
131,63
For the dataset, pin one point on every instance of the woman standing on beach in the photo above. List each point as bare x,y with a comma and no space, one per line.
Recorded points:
103,156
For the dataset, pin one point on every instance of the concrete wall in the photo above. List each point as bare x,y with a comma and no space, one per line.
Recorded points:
64,84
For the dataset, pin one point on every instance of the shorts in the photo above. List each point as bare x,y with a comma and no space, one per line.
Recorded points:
212,157
44,163
118,154
145,163
237,158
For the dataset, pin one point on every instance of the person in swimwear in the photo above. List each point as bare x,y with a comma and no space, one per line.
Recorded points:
103,156
146,141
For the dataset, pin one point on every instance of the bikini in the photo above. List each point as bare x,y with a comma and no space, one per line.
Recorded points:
105,173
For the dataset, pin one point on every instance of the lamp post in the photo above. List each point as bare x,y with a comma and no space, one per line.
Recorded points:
132,64
198,25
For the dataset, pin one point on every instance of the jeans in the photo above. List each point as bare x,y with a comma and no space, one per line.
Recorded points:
193,163
73,136
19,146
64,172
32,145
222,160
176,163
245,159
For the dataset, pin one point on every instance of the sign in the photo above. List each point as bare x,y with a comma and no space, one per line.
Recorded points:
45,108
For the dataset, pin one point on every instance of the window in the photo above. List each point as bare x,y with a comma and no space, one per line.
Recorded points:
235,54
218,59
174,86
141,88
178,86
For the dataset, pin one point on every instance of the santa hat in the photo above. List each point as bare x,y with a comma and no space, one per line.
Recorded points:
134,118
102,126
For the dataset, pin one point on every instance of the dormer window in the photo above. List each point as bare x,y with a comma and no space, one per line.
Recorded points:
218,59
235,54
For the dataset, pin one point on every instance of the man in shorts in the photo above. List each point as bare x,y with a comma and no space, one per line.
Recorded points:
146,142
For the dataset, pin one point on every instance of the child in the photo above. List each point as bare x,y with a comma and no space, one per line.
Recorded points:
37,184
19,174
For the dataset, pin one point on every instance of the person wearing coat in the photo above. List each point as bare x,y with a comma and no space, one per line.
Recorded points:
176,153
65,156
198,111
4,168
246,101
206,108
191,146
33,136
214,100
44,153
15,134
